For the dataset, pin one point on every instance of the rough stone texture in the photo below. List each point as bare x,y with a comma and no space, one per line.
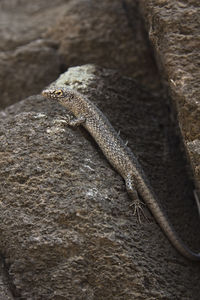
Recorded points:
174,32
109,33
25,21
68,229
5,293
26,62
26,70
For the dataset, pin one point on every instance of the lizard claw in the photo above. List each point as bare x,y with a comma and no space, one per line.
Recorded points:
138,210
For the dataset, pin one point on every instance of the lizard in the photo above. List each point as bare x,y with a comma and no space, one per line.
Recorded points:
87,114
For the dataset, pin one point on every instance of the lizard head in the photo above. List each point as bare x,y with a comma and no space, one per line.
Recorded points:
63,95
67,97
53,93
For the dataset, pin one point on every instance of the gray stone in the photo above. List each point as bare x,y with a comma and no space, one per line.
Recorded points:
67,224
27,62
173,28
5,293
109,33
27,69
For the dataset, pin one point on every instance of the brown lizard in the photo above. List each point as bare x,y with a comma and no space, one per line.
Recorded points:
119,155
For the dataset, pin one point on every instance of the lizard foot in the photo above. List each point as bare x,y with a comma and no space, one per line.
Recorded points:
137,203
138,210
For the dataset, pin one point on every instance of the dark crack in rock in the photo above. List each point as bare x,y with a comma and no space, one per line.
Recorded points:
173,28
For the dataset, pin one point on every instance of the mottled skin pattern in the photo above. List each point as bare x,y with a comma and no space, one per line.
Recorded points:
117,153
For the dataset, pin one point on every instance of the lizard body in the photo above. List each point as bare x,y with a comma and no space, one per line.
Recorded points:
119,155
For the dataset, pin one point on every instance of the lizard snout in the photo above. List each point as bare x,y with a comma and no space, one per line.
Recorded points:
47,93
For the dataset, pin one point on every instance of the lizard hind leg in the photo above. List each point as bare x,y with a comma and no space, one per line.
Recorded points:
138,210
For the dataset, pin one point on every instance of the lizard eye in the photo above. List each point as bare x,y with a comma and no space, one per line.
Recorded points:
58,93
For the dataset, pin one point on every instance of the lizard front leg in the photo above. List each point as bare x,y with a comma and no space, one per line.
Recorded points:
76,121
133,194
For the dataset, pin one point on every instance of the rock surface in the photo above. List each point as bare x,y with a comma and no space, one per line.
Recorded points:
109,33
5,290
174,32
68,229
26,70
27,63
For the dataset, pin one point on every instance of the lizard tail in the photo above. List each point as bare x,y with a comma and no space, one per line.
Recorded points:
163,221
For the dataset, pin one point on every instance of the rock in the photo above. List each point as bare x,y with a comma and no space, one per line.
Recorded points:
5,293
27,69
23,22
174,32
67,224
27,63
109,33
